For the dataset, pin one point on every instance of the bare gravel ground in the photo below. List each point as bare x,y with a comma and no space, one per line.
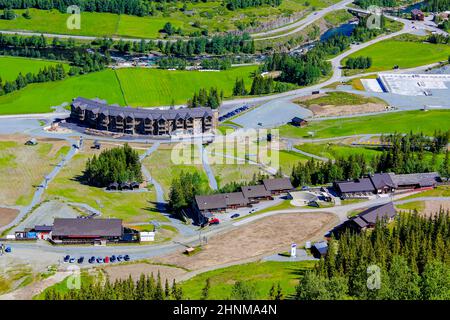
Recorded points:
253,240
7,215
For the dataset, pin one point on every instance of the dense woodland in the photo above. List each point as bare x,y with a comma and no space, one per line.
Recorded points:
358,63
145,288
406,154
412,256
119,165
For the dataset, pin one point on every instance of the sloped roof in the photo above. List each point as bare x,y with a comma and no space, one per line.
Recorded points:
278,184
87,227
211,202
380,180
359,185
380,212
426,179
255,191
152,113
235,198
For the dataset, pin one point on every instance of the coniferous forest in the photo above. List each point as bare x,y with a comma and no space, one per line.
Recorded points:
409,260
114,165
145,288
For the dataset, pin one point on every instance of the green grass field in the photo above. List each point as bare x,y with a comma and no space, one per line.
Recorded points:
10,67
261,275
132,86
210,15
415,121
132,207
340,99
405,54
40,97
333,151
163,169
153,87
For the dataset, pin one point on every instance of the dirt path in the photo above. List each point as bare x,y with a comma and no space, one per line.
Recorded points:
27,293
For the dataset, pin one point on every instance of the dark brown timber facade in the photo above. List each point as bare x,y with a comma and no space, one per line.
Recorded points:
96,114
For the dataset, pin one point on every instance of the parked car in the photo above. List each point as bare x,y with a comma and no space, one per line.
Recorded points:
91,260
236,215
119,258
66,258
113,258
99,260
126,257
8,249
214,221
72,260
106,259
81,260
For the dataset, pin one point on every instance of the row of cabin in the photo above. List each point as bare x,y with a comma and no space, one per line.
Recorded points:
123,186
381,183
98,115
216,203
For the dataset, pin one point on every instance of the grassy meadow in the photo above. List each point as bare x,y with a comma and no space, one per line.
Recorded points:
260,275
340,99
24,167
153,87
130,86
10,67
416,121
163,169
209,15
132,207
333,151
405,54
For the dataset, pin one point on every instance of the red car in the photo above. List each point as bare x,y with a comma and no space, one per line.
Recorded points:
106,259
214,221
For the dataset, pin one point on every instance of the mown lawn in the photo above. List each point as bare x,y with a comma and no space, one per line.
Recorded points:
40,97
156,87
164,165
405,54
290,158
10,67
132,86
261,275
340,99
132,207
440,191
415,121
333,151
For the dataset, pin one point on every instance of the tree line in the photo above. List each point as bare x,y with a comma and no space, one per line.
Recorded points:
119,165
408,261
145,288
358,63
405,154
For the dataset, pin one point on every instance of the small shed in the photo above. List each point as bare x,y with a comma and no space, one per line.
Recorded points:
113,186
134,185
299,122
319,249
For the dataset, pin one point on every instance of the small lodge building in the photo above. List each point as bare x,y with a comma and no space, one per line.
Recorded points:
279,185
319,249
417,14
382,183
368,218
416,180
299,122
78,230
